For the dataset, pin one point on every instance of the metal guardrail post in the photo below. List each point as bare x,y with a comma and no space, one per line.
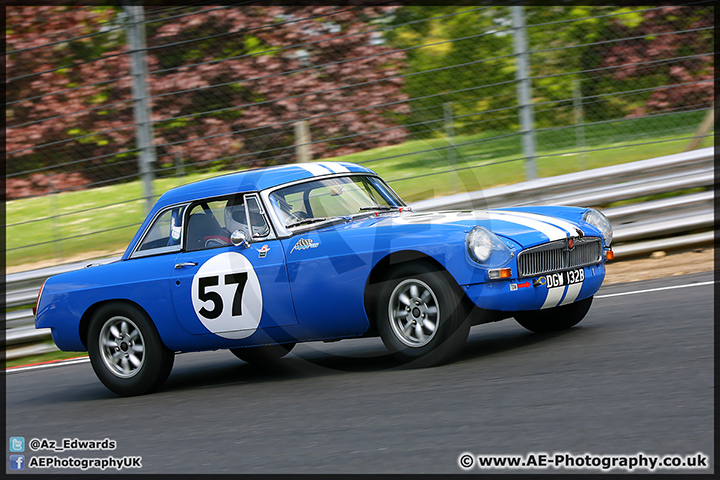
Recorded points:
302,142
143,127
524,89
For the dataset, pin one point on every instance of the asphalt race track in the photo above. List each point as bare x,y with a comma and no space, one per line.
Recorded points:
636,376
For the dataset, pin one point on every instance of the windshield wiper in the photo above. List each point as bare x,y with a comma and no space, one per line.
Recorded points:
377,207
308,221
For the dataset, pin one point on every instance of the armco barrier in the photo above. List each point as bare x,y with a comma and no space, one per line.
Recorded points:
639,228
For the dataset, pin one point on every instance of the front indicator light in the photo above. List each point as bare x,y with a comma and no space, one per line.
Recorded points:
609,255
499,273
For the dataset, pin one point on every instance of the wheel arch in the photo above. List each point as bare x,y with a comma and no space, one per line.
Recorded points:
384,267
84,325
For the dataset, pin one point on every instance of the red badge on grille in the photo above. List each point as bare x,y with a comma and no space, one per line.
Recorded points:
571,244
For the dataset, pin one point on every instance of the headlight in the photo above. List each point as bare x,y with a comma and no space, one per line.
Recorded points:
485,247
599,221
479,243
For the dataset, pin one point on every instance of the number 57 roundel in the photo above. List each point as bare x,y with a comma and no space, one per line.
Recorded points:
226,296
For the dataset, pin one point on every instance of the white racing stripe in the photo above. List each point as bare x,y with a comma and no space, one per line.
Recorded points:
335,167
553,297
347,165
558,222
550,231
315,168
572,293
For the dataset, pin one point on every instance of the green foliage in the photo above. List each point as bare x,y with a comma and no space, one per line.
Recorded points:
460,60
467,59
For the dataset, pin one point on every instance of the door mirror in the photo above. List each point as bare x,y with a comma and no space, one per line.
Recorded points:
239,239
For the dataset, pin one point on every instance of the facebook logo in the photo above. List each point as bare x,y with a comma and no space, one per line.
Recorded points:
17,462
17,444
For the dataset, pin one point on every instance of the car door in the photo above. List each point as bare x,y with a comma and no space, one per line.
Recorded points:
227,290
327,272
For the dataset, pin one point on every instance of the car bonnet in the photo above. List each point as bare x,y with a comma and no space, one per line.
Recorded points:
526,229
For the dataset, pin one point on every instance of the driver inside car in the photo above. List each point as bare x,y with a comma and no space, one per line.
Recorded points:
235,218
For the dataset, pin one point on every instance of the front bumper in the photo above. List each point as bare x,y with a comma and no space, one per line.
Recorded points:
526,294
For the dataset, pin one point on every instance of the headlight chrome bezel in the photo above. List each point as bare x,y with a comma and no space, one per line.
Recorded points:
598,220
486,248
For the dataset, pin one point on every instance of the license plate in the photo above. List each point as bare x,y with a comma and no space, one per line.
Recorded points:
560,279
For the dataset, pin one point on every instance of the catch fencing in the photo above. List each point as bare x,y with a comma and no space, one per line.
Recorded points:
100,96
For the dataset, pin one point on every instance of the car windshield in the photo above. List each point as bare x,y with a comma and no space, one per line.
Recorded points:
319,200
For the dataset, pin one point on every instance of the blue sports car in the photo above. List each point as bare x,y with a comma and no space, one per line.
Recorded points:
257,261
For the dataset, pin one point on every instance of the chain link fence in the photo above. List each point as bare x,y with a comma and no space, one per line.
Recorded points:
427,96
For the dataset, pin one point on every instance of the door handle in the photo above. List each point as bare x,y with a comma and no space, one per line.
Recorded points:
185,264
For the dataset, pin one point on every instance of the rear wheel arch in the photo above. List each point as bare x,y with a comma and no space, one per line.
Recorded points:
90,312
125,349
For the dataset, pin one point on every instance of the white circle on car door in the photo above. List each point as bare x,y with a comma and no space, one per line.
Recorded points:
227,297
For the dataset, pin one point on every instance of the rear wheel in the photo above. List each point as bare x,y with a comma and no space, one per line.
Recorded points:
126,351
264,354
554,319
421,317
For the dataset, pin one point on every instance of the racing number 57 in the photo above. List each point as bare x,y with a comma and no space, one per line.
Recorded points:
239,279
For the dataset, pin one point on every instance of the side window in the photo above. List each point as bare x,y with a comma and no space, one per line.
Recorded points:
206,225
164,235
210,223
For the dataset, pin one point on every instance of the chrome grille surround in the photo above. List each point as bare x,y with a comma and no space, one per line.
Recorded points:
556,256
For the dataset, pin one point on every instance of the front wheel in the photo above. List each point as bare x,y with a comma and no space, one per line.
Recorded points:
265,354
126,351
421,317
554,319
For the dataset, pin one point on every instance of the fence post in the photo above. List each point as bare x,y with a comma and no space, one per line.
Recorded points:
524,91
55,225
302,142
143,128
579,124
705,126
448,120
179,165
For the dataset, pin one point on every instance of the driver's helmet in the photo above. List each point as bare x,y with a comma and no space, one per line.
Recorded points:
235,218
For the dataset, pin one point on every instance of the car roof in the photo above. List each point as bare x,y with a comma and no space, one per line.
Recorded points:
255,180
245,181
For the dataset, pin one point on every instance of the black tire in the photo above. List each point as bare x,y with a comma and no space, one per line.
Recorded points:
263,355
421,317
554,319
146,362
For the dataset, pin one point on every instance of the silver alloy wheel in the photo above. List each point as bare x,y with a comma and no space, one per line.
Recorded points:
413,311
122,346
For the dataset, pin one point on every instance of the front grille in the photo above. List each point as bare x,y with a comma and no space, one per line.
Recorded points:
555,256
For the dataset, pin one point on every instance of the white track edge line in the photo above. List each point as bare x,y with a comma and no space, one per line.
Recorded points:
47,365
655,289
